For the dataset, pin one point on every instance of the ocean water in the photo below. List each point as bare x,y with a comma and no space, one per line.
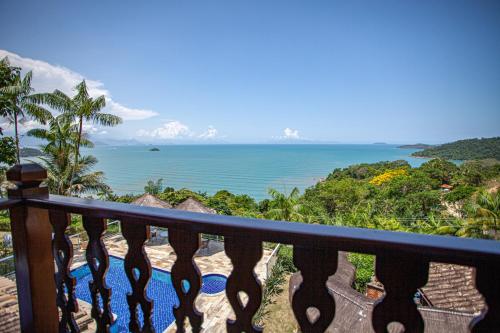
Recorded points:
242,169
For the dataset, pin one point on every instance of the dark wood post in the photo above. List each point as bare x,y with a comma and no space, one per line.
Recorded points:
32,241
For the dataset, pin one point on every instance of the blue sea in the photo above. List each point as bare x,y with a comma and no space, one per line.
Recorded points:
248,169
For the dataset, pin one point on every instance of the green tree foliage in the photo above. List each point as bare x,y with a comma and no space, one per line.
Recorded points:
154,187
7,151
367,170
483,217
459,193
365,269
470,149
176,197
8,76
284,207
79,108
340,196
474,173
64,177
440,170
22,105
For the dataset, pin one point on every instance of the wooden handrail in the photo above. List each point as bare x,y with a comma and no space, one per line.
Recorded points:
463,251
8,203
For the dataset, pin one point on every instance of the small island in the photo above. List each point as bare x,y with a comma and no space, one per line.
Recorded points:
416,146
154,149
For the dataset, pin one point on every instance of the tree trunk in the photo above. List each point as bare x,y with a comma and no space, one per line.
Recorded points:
16,134
77,153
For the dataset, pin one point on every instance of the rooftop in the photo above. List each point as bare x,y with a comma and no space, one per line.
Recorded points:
150,200
354,310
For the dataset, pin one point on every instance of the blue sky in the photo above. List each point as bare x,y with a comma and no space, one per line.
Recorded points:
270,71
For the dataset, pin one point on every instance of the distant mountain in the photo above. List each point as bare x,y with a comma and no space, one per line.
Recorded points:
416,146
30,152
115,142
469,149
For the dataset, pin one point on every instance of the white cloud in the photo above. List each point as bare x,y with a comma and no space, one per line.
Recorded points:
90,129
289,133
210,133
23,126
128,113
47,77
170,130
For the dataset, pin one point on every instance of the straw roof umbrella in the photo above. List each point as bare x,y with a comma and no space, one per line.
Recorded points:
193,205
207,247
150,200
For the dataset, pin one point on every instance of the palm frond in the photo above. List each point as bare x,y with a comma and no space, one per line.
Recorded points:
39,133
106,119
37,112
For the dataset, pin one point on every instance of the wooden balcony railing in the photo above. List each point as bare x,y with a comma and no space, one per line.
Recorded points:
46,295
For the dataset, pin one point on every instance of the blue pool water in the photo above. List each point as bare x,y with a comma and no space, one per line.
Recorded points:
160,290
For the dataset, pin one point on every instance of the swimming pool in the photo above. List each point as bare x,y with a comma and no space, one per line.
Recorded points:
160,290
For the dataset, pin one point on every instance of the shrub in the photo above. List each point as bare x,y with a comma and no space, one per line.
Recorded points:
460,192
365,269
4,223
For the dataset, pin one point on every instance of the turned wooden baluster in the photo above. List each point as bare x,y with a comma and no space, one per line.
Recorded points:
62,248
97,258
315,265
32,245
185,245
244,253
488,284
138,270
401,274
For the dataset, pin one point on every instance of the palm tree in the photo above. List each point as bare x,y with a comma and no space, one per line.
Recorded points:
84,181
80,108
64,177
23,105
154,187
483,216
8,74
284,207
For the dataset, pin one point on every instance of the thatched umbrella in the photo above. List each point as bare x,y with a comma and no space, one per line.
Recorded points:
193,205
207,247
149,200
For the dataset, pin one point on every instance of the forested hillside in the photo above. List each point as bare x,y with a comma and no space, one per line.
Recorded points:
470,149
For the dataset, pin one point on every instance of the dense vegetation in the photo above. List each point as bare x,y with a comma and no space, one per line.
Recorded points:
470,149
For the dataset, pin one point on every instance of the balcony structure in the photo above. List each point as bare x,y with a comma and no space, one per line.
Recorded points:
46,288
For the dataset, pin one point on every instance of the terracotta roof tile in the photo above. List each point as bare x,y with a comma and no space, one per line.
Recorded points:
452,287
